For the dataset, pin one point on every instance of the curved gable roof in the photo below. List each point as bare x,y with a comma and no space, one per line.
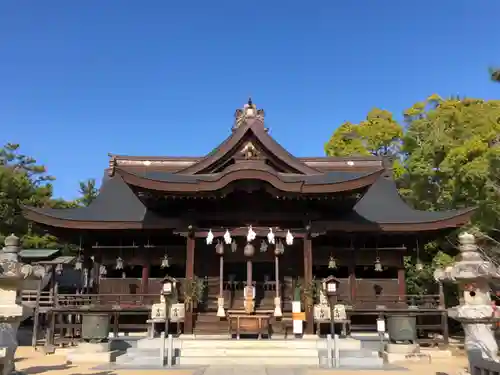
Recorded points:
328,182
383,209
116,206
256,128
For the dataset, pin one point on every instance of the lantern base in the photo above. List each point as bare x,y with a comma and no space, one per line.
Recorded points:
277,307
220,307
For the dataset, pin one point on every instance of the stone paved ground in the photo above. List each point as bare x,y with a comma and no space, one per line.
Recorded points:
31,362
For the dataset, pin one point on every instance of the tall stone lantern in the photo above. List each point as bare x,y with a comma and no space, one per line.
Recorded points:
12,274
472,273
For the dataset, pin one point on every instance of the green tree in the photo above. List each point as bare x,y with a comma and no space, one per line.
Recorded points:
452,151
447,158
379,134
346,141
23,182
495,75
88,192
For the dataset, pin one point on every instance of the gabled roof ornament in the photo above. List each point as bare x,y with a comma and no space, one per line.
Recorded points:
249,111
112,166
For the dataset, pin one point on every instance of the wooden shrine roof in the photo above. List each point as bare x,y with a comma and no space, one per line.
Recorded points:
118,207
249,153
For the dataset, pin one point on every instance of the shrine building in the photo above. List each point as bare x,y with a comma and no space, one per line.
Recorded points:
248,213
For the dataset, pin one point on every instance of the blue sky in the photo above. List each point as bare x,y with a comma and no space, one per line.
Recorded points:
79,79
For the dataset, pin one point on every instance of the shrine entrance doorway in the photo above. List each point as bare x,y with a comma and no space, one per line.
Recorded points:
263,279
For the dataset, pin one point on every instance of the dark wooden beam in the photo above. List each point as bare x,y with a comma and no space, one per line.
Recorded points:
308,276
145,274
190,246
243,231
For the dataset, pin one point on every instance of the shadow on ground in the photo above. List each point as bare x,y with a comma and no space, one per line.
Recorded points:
43,369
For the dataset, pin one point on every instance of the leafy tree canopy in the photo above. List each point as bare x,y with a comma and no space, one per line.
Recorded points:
446,157
24,182
495,74
88,192
452,155
379,134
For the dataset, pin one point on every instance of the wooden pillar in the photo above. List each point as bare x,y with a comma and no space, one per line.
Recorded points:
221,276
190,245
96,274
308,276
277,275
352,275
444,316
145,277
401,284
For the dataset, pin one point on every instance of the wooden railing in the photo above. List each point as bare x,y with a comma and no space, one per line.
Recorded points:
32,298
114,300
48,299
431,301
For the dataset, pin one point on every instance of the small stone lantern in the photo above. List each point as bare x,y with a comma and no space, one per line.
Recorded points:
472,273
330,286
12,274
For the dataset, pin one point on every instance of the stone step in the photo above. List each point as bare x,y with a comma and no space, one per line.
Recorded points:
247,352
348,359
150,352
127,359
361,362
265,344
248,361
358,354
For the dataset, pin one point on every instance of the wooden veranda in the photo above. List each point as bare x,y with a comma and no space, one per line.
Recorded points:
57,319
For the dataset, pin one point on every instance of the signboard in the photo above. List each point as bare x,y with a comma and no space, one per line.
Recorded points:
380,325
177,312
158,311
321,312
339,312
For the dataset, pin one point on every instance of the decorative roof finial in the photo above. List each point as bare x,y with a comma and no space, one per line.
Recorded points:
112,166
249,111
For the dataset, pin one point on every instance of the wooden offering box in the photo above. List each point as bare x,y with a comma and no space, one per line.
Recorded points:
249,324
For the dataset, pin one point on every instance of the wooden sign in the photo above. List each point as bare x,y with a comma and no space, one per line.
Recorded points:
158,311
339,312
299,316
177,312
321,312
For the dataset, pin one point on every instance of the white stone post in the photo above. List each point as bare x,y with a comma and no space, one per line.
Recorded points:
472,273
12,274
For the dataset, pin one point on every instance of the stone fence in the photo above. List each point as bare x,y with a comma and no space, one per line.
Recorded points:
482,366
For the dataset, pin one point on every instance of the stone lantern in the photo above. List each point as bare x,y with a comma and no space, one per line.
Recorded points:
473,273
12,274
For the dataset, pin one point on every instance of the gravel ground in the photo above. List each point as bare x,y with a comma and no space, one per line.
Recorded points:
33,362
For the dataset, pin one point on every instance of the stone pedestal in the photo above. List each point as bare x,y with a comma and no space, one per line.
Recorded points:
12,274
395,353
277,307
220,307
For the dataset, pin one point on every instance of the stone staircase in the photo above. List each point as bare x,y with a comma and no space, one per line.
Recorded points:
221,351
246,352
